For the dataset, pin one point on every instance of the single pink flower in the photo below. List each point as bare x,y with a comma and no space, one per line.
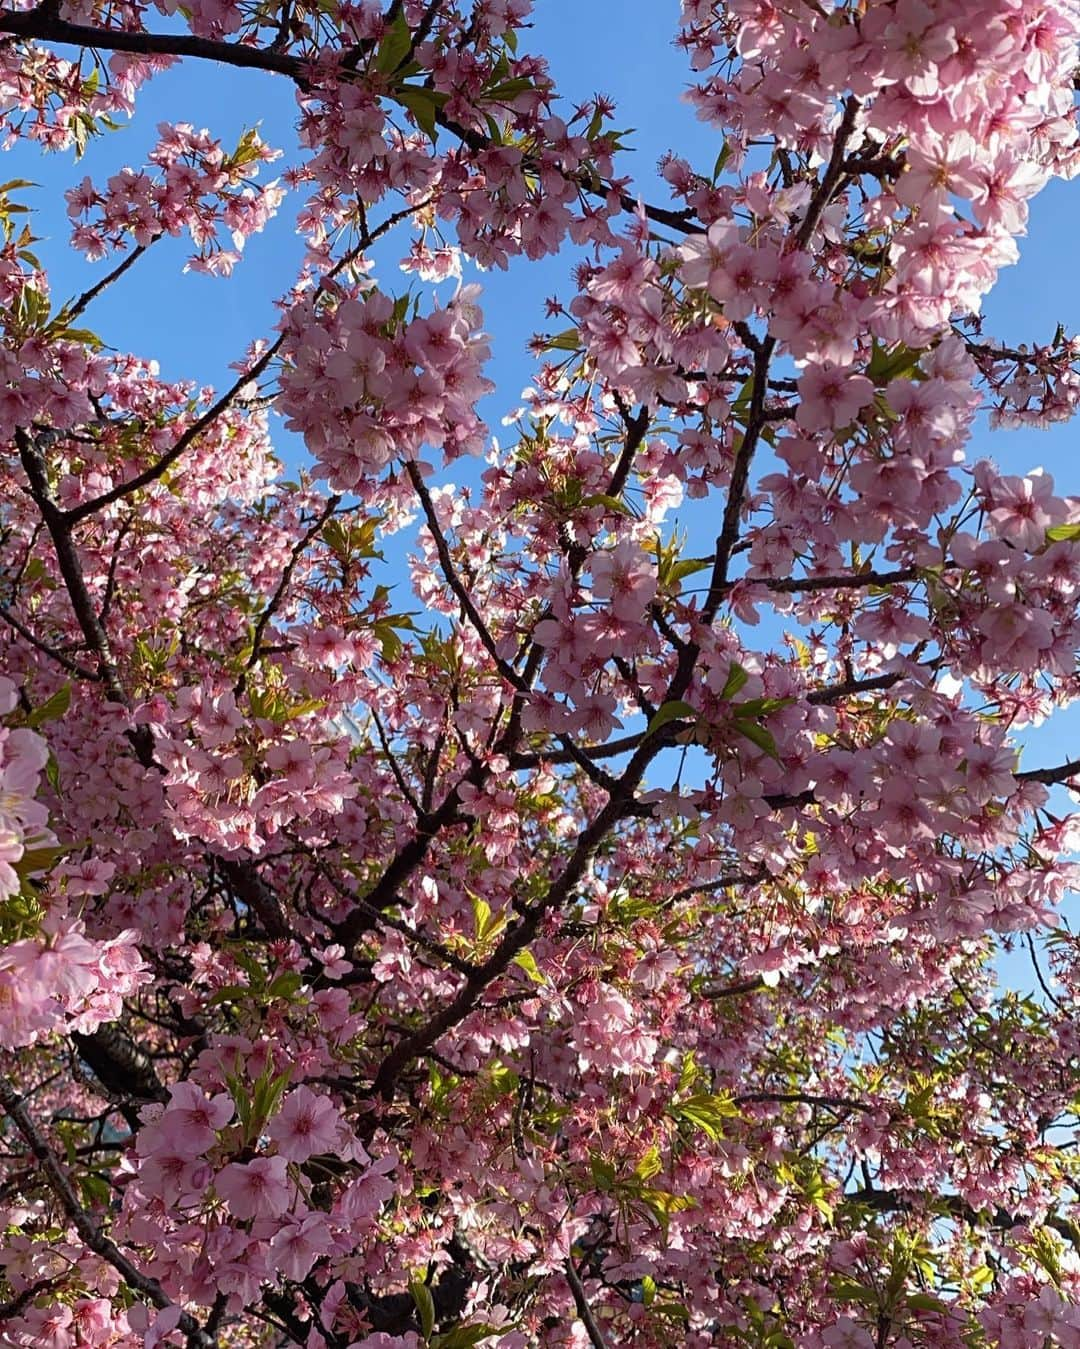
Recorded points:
256,1189
305,1125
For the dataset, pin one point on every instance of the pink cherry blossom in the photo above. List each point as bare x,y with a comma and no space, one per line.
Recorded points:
255,1189
305,1124
614,888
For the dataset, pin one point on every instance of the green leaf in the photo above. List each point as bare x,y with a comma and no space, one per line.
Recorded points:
675,710
388,639
760,707
706,1112
52,709
81,335
899,362
736,680
570,340
673,1311
648,1164
678,571
487,923
1063,533
268,1092
509,90
743,398
926,1302
662,1205
96,1190
610,502
465,1337
689,1072
424,104
286,984
52,772
230,993
35,860
847,1290
759,736
603,1173
526,961
33,571
394,47
425,1307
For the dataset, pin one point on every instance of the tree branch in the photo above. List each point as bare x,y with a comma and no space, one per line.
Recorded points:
38,25
1060,773
69,315
584,1311
155,471
519,935
286,576
71,666
89,1232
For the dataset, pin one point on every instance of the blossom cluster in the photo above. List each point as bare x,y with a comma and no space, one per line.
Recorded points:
598,946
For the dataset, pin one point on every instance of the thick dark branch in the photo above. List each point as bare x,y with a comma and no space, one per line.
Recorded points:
22,1300
197,427
469,609
519,935
803,1098
37,25
832,175
724,882
119,1064
856,580
386,890
636,427
230,396
890,1201
41,25
382,919
584,1311
56,522
253,892
740,478
421,31
1061,773
626,744
756,417
740,990
835,693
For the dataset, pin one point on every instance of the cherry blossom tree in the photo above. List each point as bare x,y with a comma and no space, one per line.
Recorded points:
598,946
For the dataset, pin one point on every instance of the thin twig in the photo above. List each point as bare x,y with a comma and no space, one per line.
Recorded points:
89,1232
278,595
71,666
222,405
69,315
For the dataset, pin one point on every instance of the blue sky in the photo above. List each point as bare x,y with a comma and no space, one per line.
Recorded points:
195,325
